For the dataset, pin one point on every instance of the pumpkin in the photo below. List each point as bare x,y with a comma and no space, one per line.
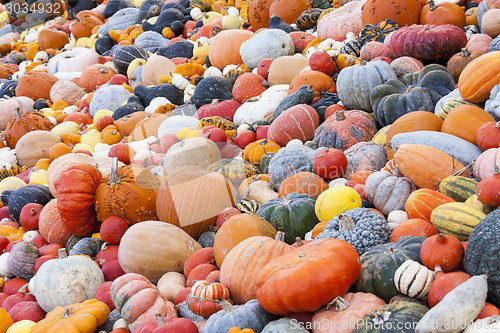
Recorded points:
66,276
405,65
473,115
33,146
302,182
21,261
457,62
17,199
277,289
456,218
95,76
9,107
411,122
369,156
222,52
379,264
377,32
443,283
337,23
75,188
478,78
344,129
443,250
355,92
487,136
51,226
155,66
422,202
426,166
35,85
413,227
484,165
283,69
374,49
490,22
205,298
289,11
442,13
348,308
236,229
236,170
403,12
138,300
27,122
443,41
258,13
254,151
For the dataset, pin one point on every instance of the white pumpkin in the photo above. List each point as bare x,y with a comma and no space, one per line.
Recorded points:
29,235
257,108
65,281
212,71
413,279
11,183
196,151
269,43
67,75
7,157
75,60
396,217
108,97
174,124
4,269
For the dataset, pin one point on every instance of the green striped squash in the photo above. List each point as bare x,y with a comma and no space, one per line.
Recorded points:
247,206
308,19
458,188
450,105
11,171
456,219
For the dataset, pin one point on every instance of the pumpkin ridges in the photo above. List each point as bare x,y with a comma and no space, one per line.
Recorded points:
476,80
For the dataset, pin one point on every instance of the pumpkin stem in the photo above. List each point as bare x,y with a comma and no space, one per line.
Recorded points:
390,250
432,5
62,253
160,319
437,269
339,115
339,303
396,172
280,236
497,170
290,170
227,307
381,317
113,175
299,240
66,312
346,223
465,53
310,88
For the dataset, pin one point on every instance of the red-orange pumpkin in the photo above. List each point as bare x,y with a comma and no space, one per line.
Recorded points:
443,250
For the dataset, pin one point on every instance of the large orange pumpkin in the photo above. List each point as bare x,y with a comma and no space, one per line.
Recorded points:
35,85
236,229
442,13
225,47
320,82
403,12
147,127
52,39
51,226
426,166
464,121
191,198
244,262
479,77
412,122
289,10
258,13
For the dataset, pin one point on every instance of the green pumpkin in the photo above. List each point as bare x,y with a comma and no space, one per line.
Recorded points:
11,171
377,32
264,162
398,317
379,264
293,214
247,206
236,170
308,18
419,91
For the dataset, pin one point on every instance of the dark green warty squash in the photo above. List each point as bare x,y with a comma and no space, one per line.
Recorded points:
293,214
379,264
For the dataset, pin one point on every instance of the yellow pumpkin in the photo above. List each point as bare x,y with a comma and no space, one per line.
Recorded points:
92,138
22,326
335,201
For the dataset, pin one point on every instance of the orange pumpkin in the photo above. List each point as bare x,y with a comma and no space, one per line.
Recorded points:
426,166
147,127
35,85
413,227
479,77
52,39
84,24
320,82
236,229
59,149
443,13
254,151
303,182
457,63
289,10
127,124
403,12
30,121
422,202
111,135
258,13
225,47
464,121
6,70
94,76
412,122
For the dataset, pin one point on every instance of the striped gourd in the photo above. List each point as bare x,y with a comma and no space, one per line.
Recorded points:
450,105
458,188
11,171
308,19
456,219
219,122
381,135
248,206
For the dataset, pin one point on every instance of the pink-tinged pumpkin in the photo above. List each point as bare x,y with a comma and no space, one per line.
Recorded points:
51,226
341,21
224,109
427,41
484,165
27,310
375,49
479,43
298,122
406,65
138,300
301,39
248,85
349,308
344,129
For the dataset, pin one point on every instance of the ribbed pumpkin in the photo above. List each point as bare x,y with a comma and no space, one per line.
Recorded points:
426,166
225,47
35,85
412,122
456,219
153,248
422,202
94,76
464,121
479,77
128,192
236,229
244,262
208,194
403,12
51,226
29,121
320,82
488,135
413,227
344,129
457,63
458,188
254,151
442,13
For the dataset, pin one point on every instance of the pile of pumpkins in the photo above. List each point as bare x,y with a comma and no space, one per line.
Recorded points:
251,166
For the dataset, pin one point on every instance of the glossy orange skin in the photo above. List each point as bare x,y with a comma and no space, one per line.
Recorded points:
326,268
422,202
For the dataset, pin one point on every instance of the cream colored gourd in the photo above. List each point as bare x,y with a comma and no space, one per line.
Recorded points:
457,309
396,217
260,191
11,183
170,284
486,325
257,108
413,279
196,151
174,124
65,127
4,268
7,157
155,67
268,43
65,281
33,146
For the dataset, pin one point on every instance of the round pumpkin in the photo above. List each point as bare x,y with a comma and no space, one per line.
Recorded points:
403,12
51,226
320,82
303,182
225,47
94,76
442,13
35,85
